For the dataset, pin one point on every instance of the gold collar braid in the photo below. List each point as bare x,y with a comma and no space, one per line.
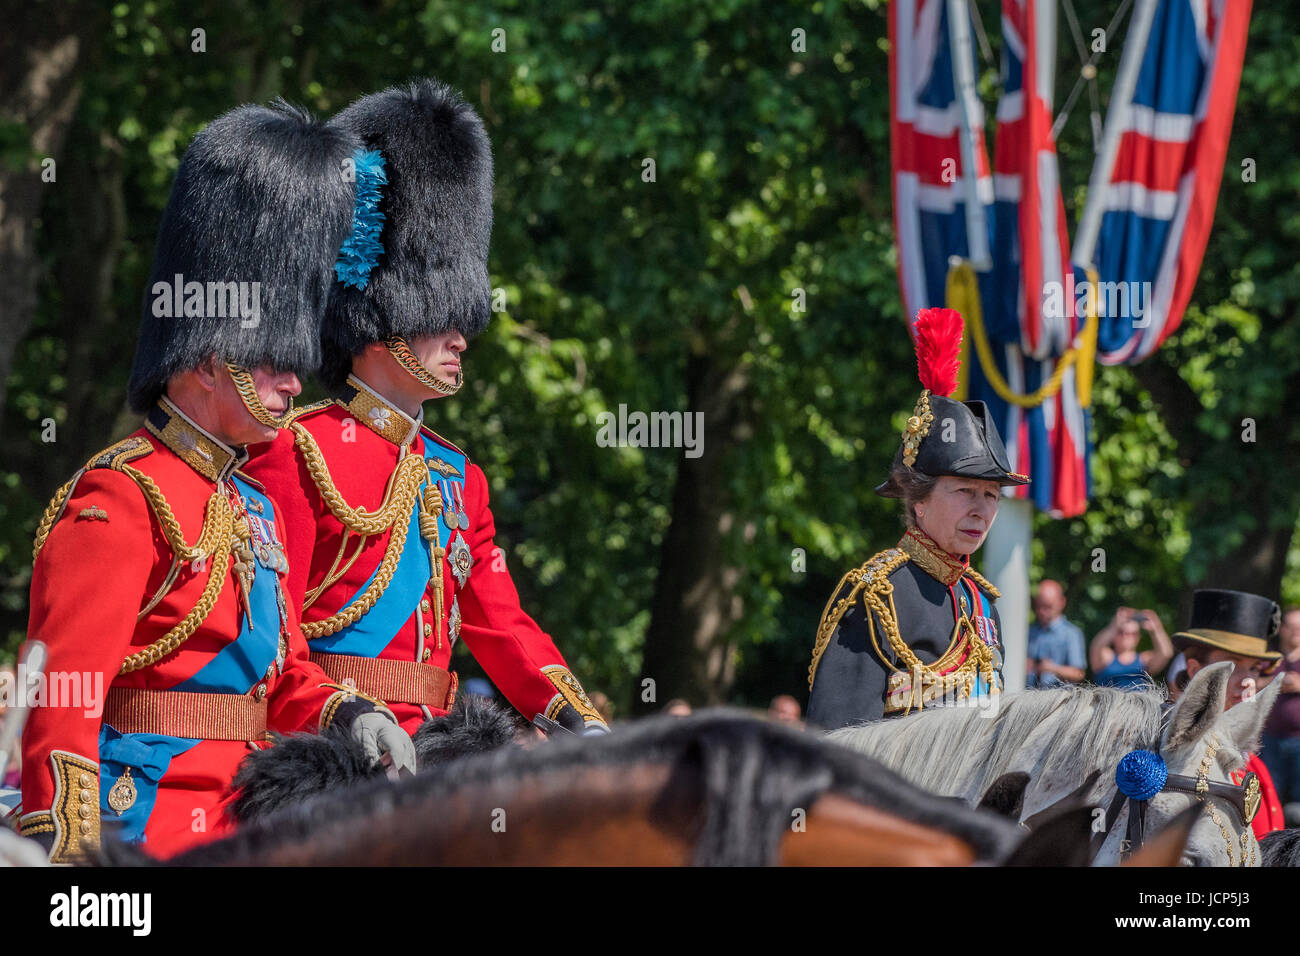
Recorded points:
398,348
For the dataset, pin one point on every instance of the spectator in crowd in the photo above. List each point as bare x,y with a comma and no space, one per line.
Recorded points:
1056,650
677,708
1281,750
1114,657
1242,629
786,710
9,775
603,707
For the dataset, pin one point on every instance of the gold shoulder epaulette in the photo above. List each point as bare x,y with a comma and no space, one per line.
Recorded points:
870,581
298,413
984,583
115,456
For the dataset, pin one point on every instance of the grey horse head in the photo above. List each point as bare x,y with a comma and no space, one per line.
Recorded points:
1199,728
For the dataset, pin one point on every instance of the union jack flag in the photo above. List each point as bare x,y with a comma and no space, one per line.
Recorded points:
942,185
1010,226
1154,188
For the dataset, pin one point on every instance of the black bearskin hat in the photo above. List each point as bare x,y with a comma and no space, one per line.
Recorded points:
431,275
246,249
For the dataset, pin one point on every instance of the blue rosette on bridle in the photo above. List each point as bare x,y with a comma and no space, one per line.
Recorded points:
1141,774
362,248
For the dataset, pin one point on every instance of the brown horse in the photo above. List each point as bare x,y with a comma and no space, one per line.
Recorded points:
717,788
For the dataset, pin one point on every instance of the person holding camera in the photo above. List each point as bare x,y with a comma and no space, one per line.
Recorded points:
1113,654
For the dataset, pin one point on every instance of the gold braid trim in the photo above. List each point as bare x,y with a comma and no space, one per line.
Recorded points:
394,512
215,541
114,456
398,348
874,572
399,498
216,527
247,389
984,583
52,512
354,611
871,581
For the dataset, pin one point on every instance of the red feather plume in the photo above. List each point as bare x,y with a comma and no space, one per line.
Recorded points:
938,349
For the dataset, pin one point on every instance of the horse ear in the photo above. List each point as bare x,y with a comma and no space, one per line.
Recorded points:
1006,795
1166,847
1242,724
1200,707
1065,839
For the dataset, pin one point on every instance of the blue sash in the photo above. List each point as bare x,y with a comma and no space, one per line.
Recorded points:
233,670
375,630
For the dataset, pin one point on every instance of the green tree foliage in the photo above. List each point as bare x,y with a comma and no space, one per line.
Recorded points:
771,176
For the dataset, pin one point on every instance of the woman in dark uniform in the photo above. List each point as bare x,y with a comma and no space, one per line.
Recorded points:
915,625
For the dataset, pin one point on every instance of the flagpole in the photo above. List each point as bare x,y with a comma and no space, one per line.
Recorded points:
1121,97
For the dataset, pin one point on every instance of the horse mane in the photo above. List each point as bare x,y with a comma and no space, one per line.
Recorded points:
961,751
752,774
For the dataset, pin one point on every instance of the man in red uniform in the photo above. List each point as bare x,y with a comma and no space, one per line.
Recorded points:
1238,627
157,581
389,532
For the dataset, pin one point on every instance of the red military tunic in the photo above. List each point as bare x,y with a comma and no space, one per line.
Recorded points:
355,450
107,584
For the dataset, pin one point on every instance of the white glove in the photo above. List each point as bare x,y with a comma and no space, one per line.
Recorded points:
379,734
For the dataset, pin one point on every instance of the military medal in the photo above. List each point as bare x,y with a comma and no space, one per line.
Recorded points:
123,793
448,505
458,498
453,622
461,561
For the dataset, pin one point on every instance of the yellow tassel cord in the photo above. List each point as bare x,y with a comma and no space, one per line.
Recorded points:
871,581
215,543
393,513
962,294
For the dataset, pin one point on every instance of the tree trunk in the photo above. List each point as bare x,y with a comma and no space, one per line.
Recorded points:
688,651
39,91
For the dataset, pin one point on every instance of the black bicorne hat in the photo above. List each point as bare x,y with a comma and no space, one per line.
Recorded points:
430,276
1234,621
246,249
945,436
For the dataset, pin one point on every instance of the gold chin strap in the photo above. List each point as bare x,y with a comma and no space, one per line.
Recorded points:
243,380
406,358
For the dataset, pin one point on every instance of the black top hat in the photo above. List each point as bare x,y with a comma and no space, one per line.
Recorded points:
1234,621
944,436
246,248
435,201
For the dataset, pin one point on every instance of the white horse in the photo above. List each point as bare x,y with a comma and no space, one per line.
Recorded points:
1059,737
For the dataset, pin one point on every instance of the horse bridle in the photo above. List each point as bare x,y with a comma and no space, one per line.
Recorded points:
1244,798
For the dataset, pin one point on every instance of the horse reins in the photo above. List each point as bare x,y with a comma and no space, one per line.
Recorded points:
1142,774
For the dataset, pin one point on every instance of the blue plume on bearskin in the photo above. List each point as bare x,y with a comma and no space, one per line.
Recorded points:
437,206
362,248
